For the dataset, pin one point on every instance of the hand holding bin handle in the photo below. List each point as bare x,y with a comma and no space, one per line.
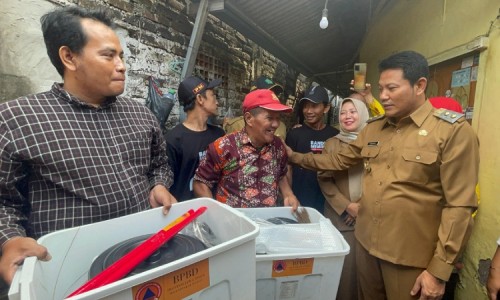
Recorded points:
128,262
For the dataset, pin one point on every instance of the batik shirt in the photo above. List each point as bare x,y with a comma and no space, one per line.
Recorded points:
64,163
243,176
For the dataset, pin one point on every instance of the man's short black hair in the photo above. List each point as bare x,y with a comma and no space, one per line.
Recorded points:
191,104
413,64
62,27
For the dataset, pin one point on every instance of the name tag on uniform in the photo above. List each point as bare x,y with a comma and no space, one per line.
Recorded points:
372,144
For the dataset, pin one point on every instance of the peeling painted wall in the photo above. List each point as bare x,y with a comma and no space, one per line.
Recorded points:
482,244
432,27
154,34
24,65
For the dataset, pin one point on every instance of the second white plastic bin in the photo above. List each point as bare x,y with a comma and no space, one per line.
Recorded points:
301,261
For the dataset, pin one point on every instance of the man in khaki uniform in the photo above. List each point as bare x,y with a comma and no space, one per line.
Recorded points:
420,171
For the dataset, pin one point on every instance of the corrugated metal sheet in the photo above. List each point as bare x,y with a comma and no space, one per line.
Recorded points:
290,30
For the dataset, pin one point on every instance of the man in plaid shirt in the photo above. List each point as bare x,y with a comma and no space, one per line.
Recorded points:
78,153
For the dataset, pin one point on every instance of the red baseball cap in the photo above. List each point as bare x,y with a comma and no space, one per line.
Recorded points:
266,99
447,103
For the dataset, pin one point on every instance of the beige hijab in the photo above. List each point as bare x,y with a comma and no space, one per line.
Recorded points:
355,172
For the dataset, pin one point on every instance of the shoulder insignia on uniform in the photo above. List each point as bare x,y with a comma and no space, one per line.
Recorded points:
375,118
449,116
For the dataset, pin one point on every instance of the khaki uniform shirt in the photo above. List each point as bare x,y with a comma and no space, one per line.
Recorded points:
236,124
418,187
335,187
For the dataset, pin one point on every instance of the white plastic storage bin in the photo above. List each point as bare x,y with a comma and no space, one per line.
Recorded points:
220,272
303,261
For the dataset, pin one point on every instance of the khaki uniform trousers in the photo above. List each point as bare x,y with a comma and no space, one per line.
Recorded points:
348,285
380,279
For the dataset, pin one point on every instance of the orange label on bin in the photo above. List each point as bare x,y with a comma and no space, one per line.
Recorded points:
177,284
292,267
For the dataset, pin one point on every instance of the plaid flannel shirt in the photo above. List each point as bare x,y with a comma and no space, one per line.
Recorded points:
64,163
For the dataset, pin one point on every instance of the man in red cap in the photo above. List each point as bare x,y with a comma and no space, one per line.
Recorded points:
262,82
245,168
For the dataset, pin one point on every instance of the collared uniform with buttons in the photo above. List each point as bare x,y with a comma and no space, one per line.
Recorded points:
418,188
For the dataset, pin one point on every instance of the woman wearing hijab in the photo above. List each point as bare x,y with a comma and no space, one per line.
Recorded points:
342,190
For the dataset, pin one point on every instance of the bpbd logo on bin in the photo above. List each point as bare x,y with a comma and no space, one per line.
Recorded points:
176,285
149,291
292,267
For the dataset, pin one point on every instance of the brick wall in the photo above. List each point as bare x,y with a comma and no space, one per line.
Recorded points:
157,34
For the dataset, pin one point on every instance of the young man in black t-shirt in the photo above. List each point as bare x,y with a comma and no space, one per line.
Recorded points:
310,137
188,141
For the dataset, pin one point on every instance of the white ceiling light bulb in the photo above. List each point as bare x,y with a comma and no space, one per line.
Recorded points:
323,24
